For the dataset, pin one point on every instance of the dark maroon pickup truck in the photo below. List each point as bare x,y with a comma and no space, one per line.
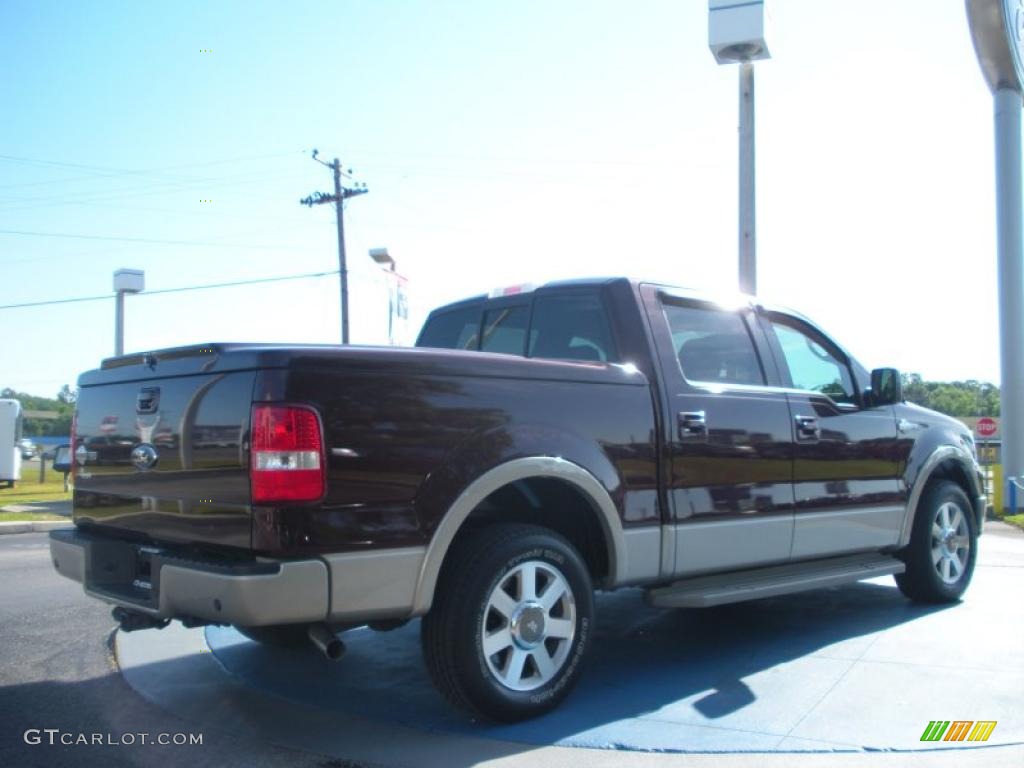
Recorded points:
535,446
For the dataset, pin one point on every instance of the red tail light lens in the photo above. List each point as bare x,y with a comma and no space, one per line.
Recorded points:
287,462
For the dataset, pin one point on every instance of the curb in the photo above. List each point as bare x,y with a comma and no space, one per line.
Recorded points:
33,526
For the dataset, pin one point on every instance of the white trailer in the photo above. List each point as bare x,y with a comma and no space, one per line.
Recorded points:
10,435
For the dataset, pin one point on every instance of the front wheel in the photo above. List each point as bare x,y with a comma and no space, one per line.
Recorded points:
510,623
943,546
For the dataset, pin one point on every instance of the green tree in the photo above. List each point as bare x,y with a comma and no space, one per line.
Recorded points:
954,398
63,404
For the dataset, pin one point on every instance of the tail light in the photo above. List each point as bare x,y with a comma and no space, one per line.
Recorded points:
287,462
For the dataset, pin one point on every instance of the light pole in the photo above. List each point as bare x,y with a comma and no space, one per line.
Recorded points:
125,281
996,27
397,306
736,34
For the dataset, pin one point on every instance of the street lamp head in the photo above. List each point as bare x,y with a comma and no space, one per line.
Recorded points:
737,31
129,281
997,29
382,257
739,52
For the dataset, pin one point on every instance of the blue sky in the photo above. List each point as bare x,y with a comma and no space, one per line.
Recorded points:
501,143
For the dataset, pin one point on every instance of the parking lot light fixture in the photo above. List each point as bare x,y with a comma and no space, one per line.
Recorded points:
737,32
125,281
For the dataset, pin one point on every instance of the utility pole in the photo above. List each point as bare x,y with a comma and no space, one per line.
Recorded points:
341,194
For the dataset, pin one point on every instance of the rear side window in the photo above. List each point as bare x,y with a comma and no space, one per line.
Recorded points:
713,345
457,329
505,330
568,327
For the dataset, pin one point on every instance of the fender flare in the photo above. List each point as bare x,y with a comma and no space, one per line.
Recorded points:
937,457
502,475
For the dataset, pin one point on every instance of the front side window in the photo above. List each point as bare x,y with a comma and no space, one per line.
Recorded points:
811,366
505,330
571,327
713,345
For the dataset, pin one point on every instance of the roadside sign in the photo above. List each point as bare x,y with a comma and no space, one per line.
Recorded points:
986,427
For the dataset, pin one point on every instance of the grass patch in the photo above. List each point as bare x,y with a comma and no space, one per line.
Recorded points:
27,517
1015,520
29,489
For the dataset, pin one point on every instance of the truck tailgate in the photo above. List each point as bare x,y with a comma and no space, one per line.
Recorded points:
165,457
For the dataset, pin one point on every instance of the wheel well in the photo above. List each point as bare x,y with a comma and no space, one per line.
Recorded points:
954,471
550,503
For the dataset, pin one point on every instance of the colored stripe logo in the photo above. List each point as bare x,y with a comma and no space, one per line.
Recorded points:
958,730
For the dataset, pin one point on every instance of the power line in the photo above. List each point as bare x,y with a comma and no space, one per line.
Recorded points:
174,290
108,172
149,240
163,187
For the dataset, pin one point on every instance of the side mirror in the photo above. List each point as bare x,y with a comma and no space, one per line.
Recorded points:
886,386
62,459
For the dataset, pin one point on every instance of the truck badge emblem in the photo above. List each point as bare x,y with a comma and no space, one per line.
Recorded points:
144,456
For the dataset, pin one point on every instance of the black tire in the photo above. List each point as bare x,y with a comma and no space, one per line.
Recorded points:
924,580
452,633
279,635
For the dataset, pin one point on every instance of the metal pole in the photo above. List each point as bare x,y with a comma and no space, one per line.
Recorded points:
748,224
339,201
119,325
1010,239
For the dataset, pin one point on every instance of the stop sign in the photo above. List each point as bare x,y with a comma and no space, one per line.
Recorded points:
986,427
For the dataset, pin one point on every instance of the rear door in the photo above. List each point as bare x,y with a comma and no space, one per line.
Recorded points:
728,437
846,465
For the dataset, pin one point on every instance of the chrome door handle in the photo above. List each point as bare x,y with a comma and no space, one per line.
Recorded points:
807,427
692,424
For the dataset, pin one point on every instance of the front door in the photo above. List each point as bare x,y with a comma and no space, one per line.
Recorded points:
846,467
728,439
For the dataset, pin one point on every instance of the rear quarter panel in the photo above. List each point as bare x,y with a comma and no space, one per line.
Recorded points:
408,430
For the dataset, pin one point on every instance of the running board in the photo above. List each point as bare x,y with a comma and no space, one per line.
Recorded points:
704,591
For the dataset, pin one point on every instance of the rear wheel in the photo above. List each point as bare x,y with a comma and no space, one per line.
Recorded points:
510,623
943,546
278,635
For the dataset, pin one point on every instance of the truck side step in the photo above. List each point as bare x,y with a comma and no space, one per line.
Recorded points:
705,591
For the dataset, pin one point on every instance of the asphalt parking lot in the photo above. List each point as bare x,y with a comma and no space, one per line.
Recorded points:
850,670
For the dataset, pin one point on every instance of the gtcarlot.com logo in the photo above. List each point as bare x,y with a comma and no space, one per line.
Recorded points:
54,736
958,730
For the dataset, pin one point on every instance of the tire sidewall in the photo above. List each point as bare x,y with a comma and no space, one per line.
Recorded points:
922,539
480,679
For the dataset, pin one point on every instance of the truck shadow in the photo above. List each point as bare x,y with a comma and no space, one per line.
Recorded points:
755,667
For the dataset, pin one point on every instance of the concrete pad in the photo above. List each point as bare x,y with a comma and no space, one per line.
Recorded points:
851,669
173,669
771,701
888,706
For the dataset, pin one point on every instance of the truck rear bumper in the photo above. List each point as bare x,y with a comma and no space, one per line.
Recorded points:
167,585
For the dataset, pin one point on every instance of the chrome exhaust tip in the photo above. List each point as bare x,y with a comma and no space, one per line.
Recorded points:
130,621
326,641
